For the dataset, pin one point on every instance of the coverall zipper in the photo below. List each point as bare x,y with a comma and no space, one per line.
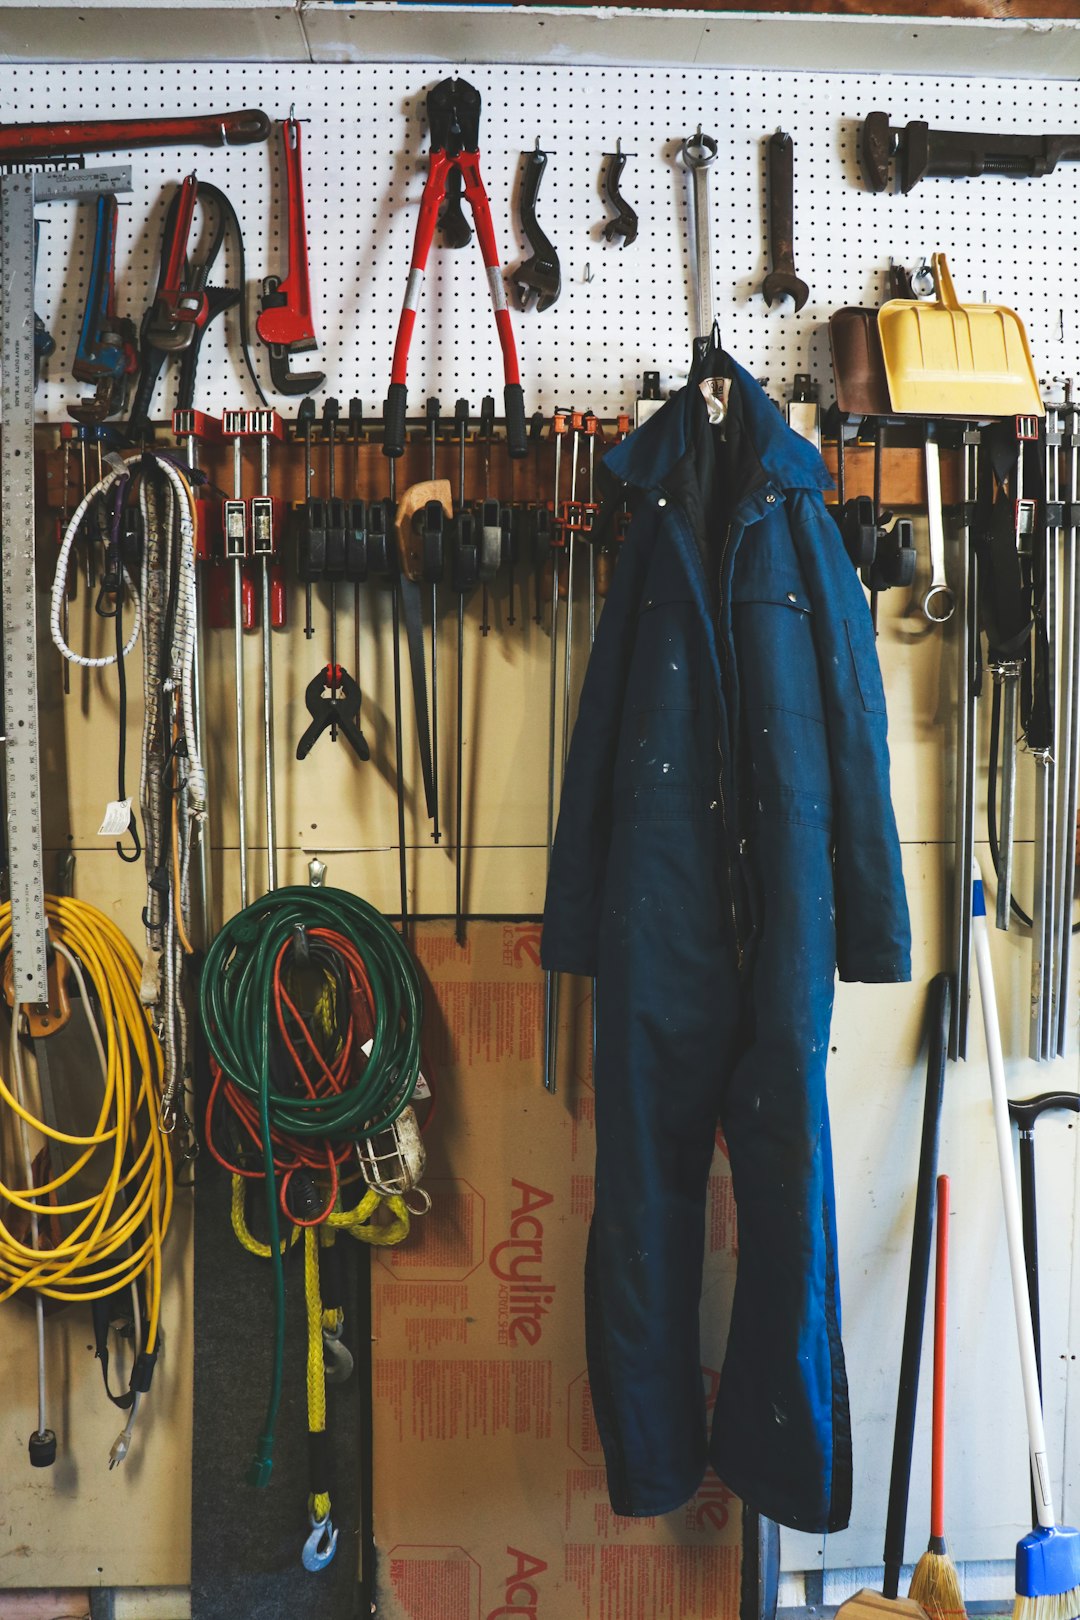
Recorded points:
677,511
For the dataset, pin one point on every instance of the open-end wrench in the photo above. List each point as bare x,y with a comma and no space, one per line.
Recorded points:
939,603
699,153
540,276
781,280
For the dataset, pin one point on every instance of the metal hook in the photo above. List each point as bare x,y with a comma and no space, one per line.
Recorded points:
224,136
320,1546
588,276
337,1357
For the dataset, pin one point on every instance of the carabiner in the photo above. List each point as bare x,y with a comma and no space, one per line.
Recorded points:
320,1546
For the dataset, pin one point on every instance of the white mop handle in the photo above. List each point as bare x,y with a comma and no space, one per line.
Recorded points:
1011,1198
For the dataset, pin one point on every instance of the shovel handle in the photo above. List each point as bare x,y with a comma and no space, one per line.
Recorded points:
943,282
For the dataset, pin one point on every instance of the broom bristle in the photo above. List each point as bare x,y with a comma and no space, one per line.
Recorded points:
1052,1606
936,1586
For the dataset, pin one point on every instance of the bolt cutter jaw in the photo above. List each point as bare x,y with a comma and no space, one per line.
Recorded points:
453,109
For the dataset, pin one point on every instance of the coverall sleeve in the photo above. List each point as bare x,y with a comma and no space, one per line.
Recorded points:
873,932
579,858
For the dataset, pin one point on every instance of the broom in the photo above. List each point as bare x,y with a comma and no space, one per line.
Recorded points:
935,1583
1048,1559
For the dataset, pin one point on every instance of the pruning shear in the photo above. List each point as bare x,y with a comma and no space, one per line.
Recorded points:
453,109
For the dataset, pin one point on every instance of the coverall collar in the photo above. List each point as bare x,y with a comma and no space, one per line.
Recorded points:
647,456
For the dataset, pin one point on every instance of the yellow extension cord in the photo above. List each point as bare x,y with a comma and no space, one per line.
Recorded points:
120,1230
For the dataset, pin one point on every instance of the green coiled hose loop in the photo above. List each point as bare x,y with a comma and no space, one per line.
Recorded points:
236,1004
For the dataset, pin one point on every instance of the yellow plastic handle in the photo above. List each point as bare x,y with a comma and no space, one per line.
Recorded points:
943,281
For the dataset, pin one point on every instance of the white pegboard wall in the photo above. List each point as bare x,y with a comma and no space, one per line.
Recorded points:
364,165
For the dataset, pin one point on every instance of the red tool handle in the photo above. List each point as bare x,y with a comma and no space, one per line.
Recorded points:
477,198
182,305
121,134
941,1288
278,597
291,322
248,612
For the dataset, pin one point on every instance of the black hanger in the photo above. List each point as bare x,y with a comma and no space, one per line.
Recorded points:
710,358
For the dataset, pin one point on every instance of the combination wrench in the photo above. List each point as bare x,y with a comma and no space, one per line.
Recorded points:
699,154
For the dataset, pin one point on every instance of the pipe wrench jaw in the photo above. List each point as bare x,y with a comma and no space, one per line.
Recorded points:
285,380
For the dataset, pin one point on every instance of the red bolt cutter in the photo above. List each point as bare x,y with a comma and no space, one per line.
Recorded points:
453,109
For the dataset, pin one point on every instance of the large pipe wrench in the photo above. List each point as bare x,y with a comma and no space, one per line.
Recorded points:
106,354
285,321
185,303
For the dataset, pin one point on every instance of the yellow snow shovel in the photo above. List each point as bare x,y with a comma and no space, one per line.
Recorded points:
943,358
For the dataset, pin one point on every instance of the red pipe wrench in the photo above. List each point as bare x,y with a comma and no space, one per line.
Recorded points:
285,323
453,109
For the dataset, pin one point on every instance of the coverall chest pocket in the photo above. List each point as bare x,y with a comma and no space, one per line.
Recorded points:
781,705
660,769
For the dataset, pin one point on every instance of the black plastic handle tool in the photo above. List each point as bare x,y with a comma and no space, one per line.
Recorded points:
940,1017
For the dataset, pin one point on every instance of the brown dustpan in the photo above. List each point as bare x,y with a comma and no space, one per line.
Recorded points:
943,358
862,389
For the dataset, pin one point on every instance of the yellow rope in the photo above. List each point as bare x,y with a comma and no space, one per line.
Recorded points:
316,1370
240,1226
120,1230
358,1223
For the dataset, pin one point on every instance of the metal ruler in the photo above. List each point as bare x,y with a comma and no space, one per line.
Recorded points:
18,195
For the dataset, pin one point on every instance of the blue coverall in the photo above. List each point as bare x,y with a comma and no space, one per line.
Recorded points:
726,840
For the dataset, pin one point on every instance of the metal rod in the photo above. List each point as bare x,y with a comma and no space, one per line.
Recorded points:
204,875
1009,676
399,754
238,648
268,687
1071,706
436,833
964,837
551,983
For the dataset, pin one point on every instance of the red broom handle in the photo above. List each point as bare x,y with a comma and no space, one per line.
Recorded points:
941,1288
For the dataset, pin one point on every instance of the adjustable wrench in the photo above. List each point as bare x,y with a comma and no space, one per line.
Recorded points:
106,354
540,276
285,321
782,281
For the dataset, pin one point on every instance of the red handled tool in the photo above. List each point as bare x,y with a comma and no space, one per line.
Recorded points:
24,142
285,322
453,109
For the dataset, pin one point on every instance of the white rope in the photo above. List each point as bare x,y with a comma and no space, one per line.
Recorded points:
60,579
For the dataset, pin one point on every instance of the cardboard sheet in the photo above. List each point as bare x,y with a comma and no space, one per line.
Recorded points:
490,1499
